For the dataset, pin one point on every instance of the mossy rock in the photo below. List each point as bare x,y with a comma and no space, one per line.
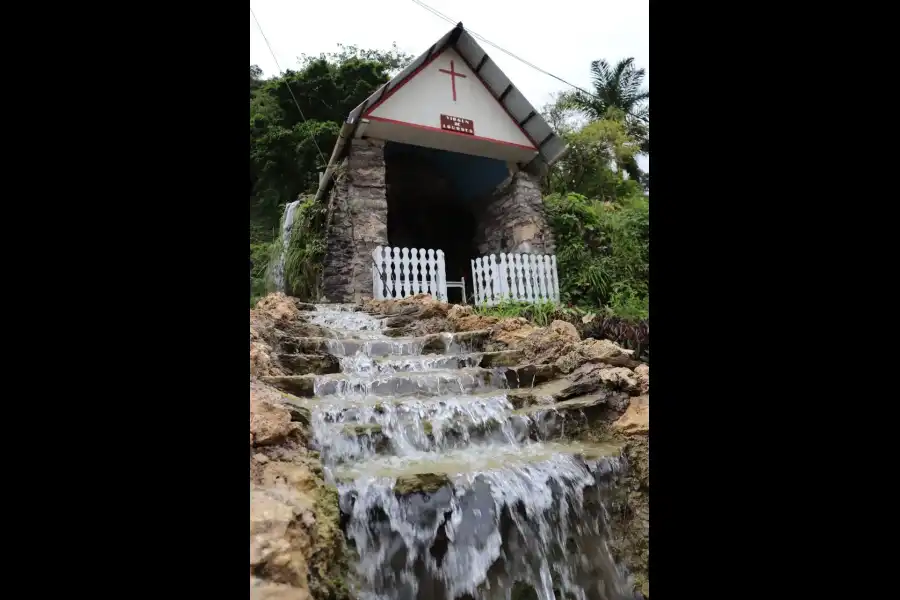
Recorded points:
428,427
422,483
358,429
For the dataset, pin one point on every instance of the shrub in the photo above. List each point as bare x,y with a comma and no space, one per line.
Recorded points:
602,251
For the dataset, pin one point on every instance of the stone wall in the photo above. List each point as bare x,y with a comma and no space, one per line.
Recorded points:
357,223
513,218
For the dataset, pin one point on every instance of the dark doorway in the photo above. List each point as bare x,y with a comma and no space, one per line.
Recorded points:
432,198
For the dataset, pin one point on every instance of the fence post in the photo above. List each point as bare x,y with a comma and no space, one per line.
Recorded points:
442,277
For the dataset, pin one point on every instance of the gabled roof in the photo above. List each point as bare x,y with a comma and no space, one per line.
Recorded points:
550,146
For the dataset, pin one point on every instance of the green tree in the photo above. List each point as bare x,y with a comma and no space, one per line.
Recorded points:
295,119
618,90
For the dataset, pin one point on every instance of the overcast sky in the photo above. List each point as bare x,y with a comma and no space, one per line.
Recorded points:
559,36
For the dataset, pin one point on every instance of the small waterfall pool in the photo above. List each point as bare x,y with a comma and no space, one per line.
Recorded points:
445,490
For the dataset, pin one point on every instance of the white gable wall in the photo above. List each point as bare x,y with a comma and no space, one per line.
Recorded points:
426,95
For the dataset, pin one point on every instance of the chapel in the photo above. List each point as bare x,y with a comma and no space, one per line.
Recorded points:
447,156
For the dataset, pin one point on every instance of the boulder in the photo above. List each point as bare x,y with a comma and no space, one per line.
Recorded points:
636,419
269,423
591,350
547,344
511,331
642,372
592,376
279,307
464,318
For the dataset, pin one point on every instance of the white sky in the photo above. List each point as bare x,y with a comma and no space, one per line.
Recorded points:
559,36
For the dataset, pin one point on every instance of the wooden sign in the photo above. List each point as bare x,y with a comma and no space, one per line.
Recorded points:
458,124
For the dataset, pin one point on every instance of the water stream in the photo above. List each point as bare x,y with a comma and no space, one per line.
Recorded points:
445,491
286,227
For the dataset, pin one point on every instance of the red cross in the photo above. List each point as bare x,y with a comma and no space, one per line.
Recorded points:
453,75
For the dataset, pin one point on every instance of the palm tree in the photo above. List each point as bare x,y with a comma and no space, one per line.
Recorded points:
619,88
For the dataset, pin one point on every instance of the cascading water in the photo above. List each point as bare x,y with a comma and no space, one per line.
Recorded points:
286,226
445,490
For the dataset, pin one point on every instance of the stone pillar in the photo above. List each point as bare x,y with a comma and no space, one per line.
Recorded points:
357,223
513,219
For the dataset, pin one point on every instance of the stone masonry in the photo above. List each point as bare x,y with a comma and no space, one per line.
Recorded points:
357,218
513,219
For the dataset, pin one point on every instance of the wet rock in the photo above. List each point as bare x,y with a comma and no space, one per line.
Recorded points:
630,514
305,364
592,350
524,376
304,306
424,483
300,329
299,414
636,420
368,431
395,332
299,385
501,358
472,340
546,393
261,458
300,345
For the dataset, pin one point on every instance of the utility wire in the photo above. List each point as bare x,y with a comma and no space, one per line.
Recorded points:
441,15
297,104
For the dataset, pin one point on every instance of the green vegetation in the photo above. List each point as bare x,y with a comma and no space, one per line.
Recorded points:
288,150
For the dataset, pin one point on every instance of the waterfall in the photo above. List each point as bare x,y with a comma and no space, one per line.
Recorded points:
286,226
446,490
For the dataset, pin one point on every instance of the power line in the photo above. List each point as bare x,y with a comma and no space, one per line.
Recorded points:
297,104
441,15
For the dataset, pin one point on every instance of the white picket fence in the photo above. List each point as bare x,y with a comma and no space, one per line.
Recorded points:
402,272
528,278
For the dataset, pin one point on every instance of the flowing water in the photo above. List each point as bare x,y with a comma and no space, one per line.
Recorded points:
286,227
445,492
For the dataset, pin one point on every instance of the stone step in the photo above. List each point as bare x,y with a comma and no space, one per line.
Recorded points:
406,430
427,383
427,472
310,364
435,382
425,362
436,343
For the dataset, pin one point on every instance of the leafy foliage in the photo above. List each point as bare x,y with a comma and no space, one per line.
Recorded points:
295,119
602,251
617,88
